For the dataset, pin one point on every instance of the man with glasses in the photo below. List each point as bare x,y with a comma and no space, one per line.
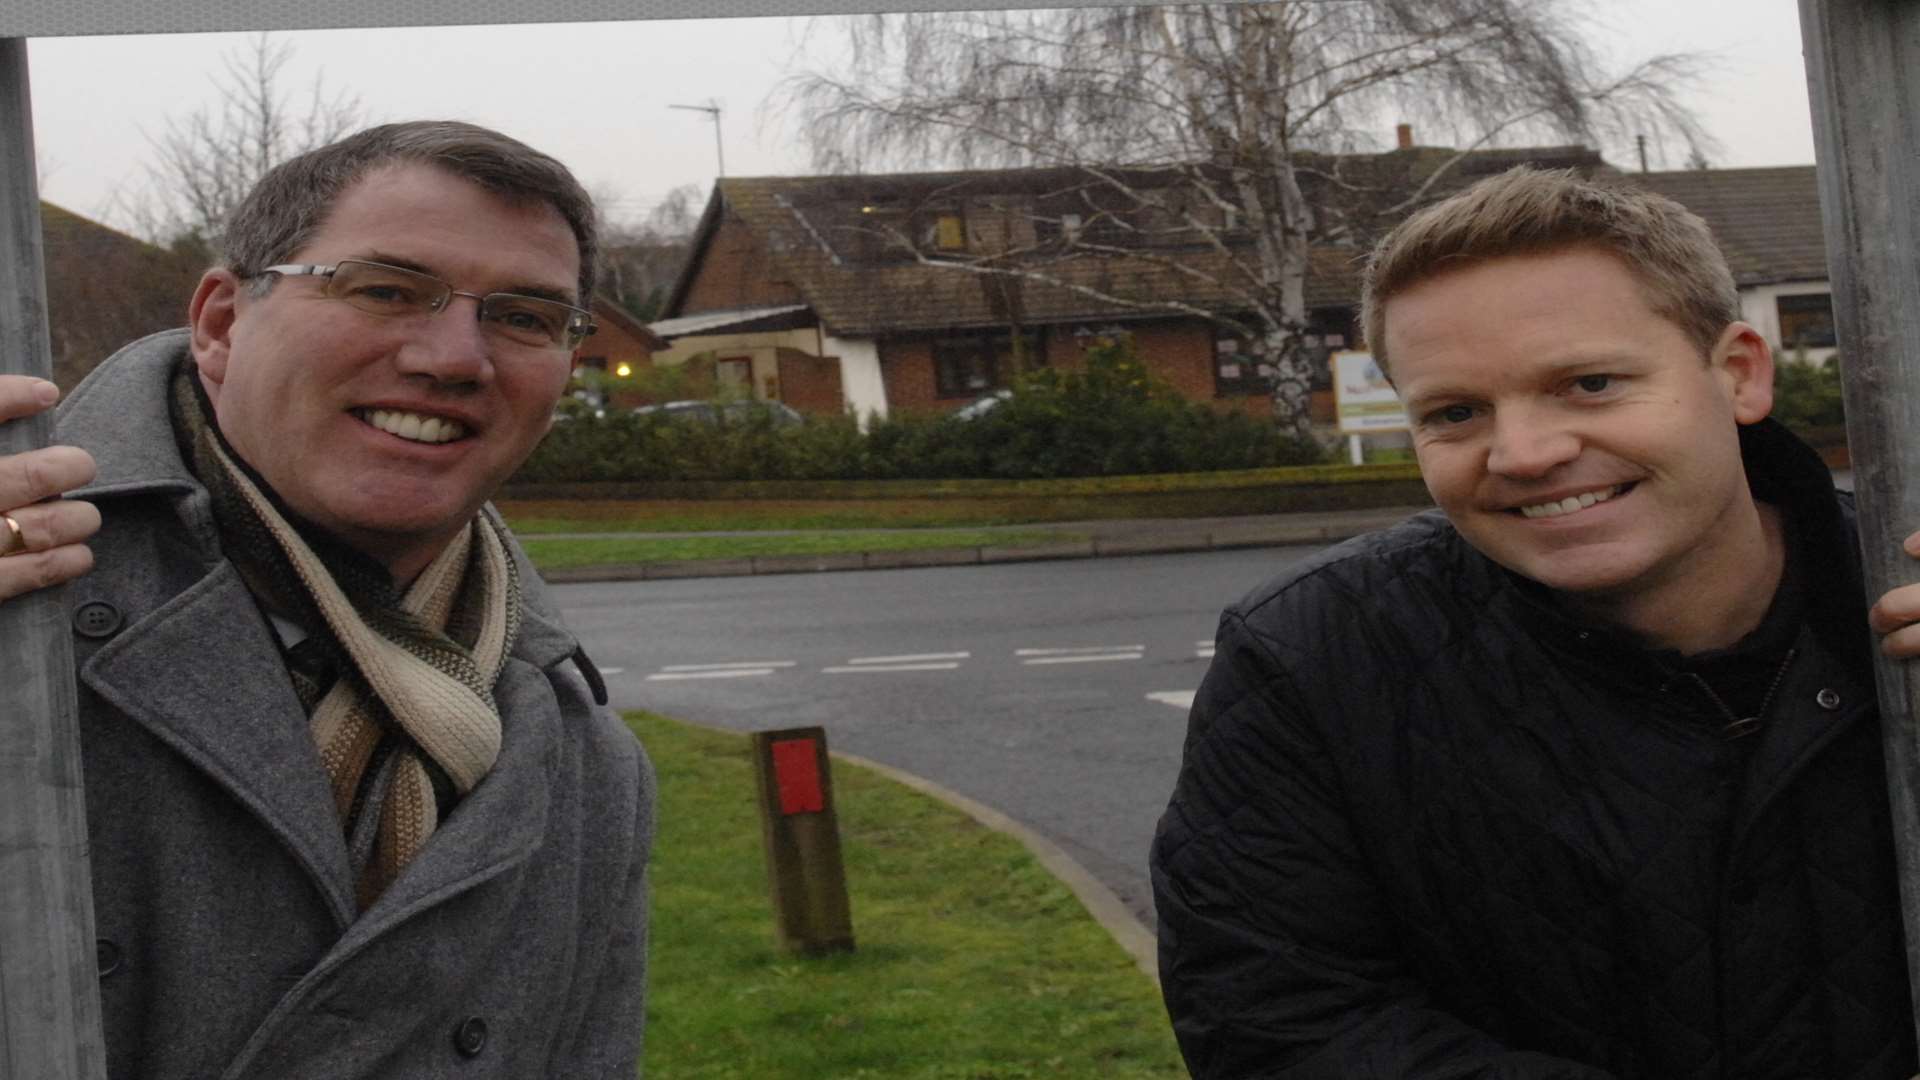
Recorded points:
355,804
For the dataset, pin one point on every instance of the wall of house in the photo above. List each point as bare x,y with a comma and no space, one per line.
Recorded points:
1760,307
809,383
861,376
1179,351
737,272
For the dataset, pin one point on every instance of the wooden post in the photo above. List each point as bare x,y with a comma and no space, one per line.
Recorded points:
805,876
49,987
1861,58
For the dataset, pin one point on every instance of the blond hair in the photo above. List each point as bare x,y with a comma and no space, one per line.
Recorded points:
1527,211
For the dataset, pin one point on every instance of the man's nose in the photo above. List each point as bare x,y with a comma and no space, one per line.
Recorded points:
1527,444
449,345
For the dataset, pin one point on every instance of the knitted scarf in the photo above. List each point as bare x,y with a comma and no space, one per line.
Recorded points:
407,723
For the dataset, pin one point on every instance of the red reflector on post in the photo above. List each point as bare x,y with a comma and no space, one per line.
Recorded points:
796,770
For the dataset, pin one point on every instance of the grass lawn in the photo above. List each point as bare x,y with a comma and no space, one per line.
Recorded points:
555,554
973,963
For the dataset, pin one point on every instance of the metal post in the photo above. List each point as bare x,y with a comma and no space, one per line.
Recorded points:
1861,56
49,989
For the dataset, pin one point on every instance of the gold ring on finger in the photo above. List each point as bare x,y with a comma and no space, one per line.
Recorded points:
15,541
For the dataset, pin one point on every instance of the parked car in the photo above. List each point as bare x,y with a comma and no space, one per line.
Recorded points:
736,412
980,406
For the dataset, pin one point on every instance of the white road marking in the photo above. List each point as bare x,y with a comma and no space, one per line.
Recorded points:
1080,649
1182,699
862,668
1089,658
613,671
1204,654
914,658
729,664
728,673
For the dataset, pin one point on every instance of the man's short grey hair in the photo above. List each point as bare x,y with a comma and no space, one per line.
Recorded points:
1525,211
291,203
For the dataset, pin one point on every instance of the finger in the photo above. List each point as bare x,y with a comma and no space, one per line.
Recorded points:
1912,544
24,395
42,474
21,574
48,525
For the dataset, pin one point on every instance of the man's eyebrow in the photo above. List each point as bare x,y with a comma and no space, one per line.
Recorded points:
538,292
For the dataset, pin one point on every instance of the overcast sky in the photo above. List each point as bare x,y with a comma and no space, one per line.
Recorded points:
597,95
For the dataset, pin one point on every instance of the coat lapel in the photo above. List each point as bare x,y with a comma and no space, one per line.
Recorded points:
173,672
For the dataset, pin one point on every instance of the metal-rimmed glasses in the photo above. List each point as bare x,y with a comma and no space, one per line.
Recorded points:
379,289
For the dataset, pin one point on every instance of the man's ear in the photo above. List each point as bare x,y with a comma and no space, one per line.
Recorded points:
1745,361
210,317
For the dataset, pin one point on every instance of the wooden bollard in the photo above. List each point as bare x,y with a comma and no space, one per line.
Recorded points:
805,877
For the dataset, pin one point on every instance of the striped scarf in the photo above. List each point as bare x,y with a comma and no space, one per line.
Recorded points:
407,723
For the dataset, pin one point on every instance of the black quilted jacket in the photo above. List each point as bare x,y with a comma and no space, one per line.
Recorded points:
1428,827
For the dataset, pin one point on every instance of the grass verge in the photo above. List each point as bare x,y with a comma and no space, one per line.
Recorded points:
557,554
973,963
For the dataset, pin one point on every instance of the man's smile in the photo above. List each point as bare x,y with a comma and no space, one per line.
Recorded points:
413,426
1571,503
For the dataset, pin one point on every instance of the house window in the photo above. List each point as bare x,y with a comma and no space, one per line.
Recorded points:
1236,372
1806,321
947,233
971,366
733,371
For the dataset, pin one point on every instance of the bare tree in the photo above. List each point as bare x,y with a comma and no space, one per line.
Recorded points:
639,261
1208,124
206,162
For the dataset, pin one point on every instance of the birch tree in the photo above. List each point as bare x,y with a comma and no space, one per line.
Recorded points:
1228,124
206,162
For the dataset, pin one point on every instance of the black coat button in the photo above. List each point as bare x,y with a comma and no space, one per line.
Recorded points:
1827,699
470,1037
97,619
107,956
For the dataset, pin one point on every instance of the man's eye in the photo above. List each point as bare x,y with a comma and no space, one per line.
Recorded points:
394,295
527,318
1450,414
1593,384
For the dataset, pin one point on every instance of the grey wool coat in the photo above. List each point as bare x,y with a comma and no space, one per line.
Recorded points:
229,947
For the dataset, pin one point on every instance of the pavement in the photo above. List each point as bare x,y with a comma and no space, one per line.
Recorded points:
1102,539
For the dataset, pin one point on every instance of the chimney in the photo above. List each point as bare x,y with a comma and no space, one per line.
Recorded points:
1404,133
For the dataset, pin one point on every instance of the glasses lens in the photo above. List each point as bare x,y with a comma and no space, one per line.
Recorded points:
386,290
530,320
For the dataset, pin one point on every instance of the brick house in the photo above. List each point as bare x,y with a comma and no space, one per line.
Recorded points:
867,292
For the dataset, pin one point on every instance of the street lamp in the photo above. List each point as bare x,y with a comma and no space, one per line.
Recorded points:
711,108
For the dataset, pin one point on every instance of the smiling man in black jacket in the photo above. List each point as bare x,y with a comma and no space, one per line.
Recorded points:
1579,775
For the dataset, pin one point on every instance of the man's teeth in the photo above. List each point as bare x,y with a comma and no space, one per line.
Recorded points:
407,425
1572,502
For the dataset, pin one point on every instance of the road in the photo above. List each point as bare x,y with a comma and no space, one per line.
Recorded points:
1055,692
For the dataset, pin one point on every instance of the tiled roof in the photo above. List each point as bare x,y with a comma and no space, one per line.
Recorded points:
819,237
1766,220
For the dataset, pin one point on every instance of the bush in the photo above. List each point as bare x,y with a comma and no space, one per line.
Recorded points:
1807,395
1110,418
